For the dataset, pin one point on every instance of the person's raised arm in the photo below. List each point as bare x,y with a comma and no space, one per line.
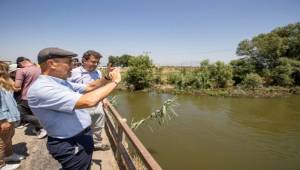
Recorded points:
93,97
100,82
96,84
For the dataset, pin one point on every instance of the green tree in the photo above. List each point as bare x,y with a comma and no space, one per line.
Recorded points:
202,80
252,81
266,49
121,61
114,60
124,60
202,76
221,74
241,68
281,74
140,72
173,77
295,70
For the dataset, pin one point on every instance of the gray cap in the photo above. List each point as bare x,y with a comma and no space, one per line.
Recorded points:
48,53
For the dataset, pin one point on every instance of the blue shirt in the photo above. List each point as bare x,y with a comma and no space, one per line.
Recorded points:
8,106
53,100
80,75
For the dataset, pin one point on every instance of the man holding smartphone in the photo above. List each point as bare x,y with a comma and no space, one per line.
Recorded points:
60,107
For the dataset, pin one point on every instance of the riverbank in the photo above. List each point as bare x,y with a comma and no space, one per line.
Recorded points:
274,91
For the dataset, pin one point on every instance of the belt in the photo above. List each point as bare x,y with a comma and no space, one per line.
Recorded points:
79,134
82,132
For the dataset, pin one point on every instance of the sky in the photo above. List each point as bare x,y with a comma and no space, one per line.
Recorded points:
171,32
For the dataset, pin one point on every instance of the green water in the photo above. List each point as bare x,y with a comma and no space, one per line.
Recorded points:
213,133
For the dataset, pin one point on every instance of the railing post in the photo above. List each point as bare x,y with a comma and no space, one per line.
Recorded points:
121,153
120,141
125,144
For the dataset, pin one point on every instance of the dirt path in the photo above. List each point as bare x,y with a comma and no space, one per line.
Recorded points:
39,159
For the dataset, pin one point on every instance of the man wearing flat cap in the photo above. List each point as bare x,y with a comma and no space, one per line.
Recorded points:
60,106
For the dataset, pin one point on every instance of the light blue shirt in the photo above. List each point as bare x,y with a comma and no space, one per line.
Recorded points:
80,75
53,100
8,106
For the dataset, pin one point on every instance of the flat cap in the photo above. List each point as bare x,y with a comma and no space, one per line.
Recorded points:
48,53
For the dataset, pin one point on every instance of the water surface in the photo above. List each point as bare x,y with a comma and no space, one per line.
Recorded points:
220,133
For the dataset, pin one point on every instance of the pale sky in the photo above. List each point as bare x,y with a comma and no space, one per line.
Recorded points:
172,32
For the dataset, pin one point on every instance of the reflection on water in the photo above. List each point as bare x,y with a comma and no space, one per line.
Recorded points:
220,133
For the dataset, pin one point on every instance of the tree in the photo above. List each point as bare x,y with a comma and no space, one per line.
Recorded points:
140,72
281,74
203,76
120,61
114,60
221,74
266,49
295,64
252,81
245,48
241,68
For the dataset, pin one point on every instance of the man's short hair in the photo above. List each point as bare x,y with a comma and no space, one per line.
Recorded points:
90,53
20,59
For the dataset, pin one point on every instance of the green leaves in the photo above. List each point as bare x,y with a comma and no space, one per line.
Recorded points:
140,72
266,52
165,113
120,61
267,48
252,81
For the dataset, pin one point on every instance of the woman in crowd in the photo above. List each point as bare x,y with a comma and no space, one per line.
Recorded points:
9,115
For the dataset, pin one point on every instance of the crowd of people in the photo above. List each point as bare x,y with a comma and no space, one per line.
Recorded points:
60,100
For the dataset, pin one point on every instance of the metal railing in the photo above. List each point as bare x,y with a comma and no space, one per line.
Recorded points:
118,130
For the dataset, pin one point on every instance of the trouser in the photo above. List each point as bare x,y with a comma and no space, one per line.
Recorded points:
98,122
27,116
73,153
6,142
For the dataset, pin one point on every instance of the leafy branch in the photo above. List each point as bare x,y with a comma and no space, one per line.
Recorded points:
161,115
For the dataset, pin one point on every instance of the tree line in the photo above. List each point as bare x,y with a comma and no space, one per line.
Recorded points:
268,59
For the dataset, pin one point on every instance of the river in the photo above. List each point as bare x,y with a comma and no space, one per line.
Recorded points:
213,133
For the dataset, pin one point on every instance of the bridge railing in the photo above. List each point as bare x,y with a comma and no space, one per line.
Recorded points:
118,131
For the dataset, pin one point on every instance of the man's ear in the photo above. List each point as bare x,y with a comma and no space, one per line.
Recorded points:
51,64
21,64
83,60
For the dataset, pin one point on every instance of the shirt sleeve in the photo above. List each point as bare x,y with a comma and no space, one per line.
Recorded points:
78,87
59,98
19,77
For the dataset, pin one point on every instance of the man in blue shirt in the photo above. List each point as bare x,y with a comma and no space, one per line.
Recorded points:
60,107
85,74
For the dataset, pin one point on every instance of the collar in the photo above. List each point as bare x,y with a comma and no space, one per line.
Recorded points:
83,70
59,80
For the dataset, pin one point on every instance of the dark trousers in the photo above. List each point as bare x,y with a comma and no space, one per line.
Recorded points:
27,115
73,153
